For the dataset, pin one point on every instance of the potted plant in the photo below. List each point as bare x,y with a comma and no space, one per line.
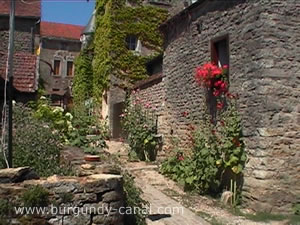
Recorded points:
91,154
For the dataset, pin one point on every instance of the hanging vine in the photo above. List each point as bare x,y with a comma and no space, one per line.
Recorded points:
115,20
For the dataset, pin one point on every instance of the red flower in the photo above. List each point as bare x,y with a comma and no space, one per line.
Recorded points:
185,113
230,96
192,127
216,93
236,142
220,105
222,123
180,158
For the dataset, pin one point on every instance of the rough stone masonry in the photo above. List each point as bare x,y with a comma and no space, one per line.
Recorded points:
264,49
94,199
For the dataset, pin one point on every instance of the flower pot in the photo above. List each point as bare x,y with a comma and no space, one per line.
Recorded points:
92,158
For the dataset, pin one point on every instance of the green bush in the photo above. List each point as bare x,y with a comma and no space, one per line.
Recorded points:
35,144
36,196
5,208
56,117
218,156
86,123
139,124
133,200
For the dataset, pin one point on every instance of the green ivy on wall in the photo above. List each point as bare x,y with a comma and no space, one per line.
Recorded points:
115,20
83,79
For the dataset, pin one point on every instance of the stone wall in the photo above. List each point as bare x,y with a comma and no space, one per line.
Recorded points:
93,199
264,71
151,93
26,31
57,49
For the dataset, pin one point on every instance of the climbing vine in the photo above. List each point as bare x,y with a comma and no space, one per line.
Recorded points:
83,79
115,20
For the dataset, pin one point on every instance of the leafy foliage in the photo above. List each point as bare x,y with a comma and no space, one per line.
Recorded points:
56,117
115,21
83,78
35,144
36,196
218,152
134,201
90,133
139,123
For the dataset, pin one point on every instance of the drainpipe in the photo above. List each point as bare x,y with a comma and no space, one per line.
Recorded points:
33,28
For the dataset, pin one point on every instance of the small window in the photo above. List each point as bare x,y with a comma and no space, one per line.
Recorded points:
56,67
219,56
132,42
70,69
220,51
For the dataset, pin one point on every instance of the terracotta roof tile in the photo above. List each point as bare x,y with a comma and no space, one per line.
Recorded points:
24,70
24,8
60,30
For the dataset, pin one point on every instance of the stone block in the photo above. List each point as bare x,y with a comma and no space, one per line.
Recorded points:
14,175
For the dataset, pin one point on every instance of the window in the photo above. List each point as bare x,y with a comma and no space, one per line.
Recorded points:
56,67
220,51
133,43
219,56
70,69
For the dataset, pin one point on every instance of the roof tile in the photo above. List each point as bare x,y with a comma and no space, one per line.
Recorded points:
60,30
24,8
24,70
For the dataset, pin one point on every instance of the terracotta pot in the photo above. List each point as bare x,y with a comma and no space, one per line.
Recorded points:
92,158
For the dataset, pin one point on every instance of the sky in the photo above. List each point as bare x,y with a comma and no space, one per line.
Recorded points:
67,11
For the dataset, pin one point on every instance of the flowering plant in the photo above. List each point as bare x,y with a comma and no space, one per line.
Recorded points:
218,151
139,123
214,78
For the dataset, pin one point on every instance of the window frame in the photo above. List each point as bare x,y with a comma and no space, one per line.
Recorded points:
133,43
215,58
67,70
59,67
214,54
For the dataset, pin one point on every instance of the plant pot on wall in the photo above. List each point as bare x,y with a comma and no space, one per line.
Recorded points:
92,158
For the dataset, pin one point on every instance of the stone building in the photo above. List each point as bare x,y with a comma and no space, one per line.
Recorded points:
27,26
259,40
59,46
113,99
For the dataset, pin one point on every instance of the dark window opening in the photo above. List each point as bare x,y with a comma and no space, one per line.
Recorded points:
56,67
220,57
131,42
155,66
220,51
70,69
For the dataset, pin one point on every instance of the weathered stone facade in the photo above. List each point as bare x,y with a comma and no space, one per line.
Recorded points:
264,72
93,199
25,71
25,34
59,43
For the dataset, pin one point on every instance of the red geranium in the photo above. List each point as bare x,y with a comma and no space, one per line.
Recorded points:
220,105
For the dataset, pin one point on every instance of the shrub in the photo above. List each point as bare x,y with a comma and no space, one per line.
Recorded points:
138,121
86,123
35,144
56,117
36,196
5,207
218,156
133,200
